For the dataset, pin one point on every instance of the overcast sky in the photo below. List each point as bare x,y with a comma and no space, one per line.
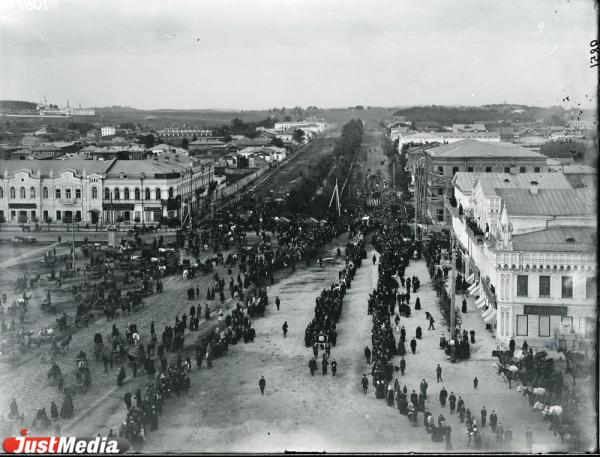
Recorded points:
254,54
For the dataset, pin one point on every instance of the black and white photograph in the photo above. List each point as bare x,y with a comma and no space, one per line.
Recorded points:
269,226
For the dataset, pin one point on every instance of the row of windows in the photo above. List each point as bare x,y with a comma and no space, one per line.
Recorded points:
566,283
116,193
487,170
586,325
58,193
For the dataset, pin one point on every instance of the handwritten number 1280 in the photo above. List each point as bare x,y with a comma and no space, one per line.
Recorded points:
595,50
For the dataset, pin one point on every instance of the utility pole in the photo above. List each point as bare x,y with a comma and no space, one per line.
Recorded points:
393,175
452,286
73,239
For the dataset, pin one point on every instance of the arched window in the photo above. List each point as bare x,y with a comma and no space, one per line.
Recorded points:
22,193
157,194
13,193
147,192
1,192
117,194
137,193
106,194
45,192
126,194
32,192
170,192
94,192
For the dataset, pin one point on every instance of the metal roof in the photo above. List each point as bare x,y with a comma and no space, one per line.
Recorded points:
549,202
555,240
57,166
472,149
465,181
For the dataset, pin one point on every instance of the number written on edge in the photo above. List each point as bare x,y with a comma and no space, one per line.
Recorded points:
33,5
595,50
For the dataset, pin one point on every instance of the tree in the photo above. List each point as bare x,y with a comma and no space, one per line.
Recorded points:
277,142
299,136
147,141
287,119
185,143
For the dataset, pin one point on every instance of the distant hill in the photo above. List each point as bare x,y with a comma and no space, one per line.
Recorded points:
16,105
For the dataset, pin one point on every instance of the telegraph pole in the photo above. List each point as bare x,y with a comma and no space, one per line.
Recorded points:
73,243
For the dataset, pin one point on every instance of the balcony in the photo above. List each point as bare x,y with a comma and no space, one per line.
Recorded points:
67,201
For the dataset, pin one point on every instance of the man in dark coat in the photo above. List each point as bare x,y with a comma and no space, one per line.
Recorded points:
402,365
413,345
483,416
138,398
438,372
277,302
512,345
493,420
312,365
365,383
333,367
452,401
414,399
262,383
324,364
127,399
464,305
443,397
368,354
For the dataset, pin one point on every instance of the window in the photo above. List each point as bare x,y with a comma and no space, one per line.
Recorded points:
45,215
58,216
12,192
522,169
544,286
522,283
544,327
13,215
126,193
488,169
33,216
57,193
45,192
77,193
522,325
470,169
567,286
137,193
440,170
94,192
506,169
157,194
147,194
106,194
1,192
590,287
22,193
32,192
567,320
536,169
170,192
77,216
68,192
454,170
117,194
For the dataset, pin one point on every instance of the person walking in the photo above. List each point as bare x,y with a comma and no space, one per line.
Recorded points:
127,400
443,396
475,382
284,327
493,420
262,383
277,302
413,345
431,321
365,383
438,372
368,354
402,365
374,259
529,439
333,367
452,401
312,365
483,416
324,364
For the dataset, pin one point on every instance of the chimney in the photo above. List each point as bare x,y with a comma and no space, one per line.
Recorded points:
533,188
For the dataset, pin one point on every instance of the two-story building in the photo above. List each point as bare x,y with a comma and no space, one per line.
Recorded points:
531,255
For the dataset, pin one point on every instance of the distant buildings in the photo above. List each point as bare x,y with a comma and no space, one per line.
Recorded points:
30,141
411,137
108,131
318,126
184,133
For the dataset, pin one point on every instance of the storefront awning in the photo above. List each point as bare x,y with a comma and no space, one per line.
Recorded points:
472,287
491,317
487,313
471,278
480,302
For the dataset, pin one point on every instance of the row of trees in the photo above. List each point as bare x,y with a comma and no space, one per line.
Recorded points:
314,190
397,164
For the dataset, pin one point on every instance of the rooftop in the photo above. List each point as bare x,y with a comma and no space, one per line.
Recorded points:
581,239
465,181
472,148
56,166
549,202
